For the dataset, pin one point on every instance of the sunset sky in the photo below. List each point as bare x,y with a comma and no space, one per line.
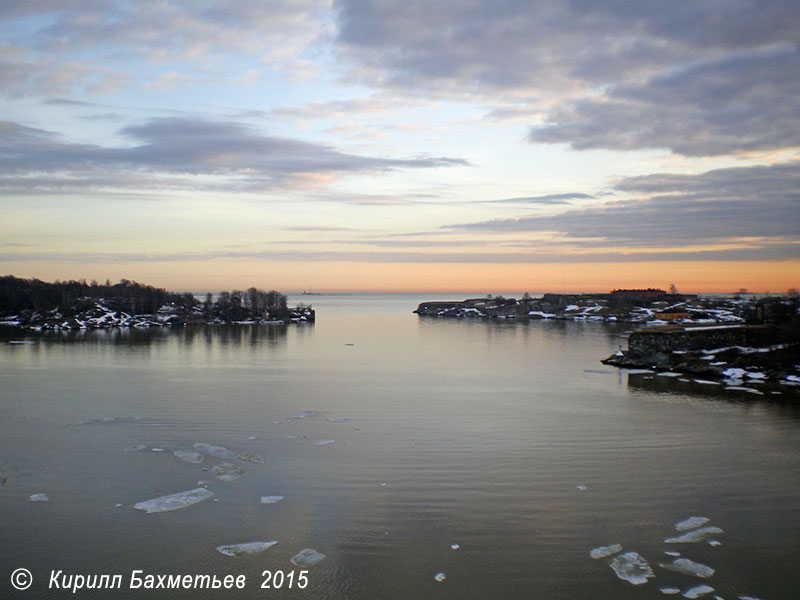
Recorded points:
539,145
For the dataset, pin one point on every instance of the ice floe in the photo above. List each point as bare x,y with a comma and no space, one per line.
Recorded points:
603,551
672,553
323,442
691,523
632,567
307,557
135,448
271,499
688,567
440,577
581,488
246,548
669,591
668,374
212,450
250,457
690,537
707,382
698,591
338,419
714,543
39,497
303,414
189,456
227,472
174,501
455,547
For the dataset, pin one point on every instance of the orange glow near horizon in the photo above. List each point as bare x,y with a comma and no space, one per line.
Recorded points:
701,277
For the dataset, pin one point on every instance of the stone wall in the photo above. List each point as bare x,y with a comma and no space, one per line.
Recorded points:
664,340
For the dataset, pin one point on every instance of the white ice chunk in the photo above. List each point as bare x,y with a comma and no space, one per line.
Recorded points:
734,373
174,501
246,548
323,442
455,547
690,537
691,523
688,567
632,567
338,419
212,450
668,374
706,382
440,577
672,553
157,449
698,591
669,591
227,472
743,597
755,375
740,388
307,557
39,497
270,499
603,551
189,456
581,488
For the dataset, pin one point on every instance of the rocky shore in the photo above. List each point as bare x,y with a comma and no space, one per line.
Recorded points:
735,354
99,316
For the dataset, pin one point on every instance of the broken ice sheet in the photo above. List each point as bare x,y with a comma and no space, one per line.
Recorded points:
698,591
603,551
246,548
307,557
39,497
227,472
632,567
189,456
212,450
690,537
174,501
270,499
691,523
688,567
323,442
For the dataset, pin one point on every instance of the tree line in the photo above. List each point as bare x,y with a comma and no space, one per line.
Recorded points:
71,297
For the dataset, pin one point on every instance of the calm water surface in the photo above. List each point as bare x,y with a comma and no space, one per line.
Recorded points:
484,434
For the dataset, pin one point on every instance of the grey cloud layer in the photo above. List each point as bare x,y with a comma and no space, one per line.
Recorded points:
177,147
713,207
697,77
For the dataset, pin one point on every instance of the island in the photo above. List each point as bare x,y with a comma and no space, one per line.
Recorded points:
78,305
734,339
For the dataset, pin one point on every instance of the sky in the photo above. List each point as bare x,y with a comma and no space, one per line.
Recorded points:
397,145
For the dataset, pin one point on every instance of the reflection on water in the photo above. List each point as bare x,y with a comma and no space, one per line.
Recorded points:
496,454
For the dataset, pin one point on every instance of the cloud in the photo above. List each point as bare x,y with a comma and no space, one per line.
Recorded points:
548,199
171,152
725,205
697,78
